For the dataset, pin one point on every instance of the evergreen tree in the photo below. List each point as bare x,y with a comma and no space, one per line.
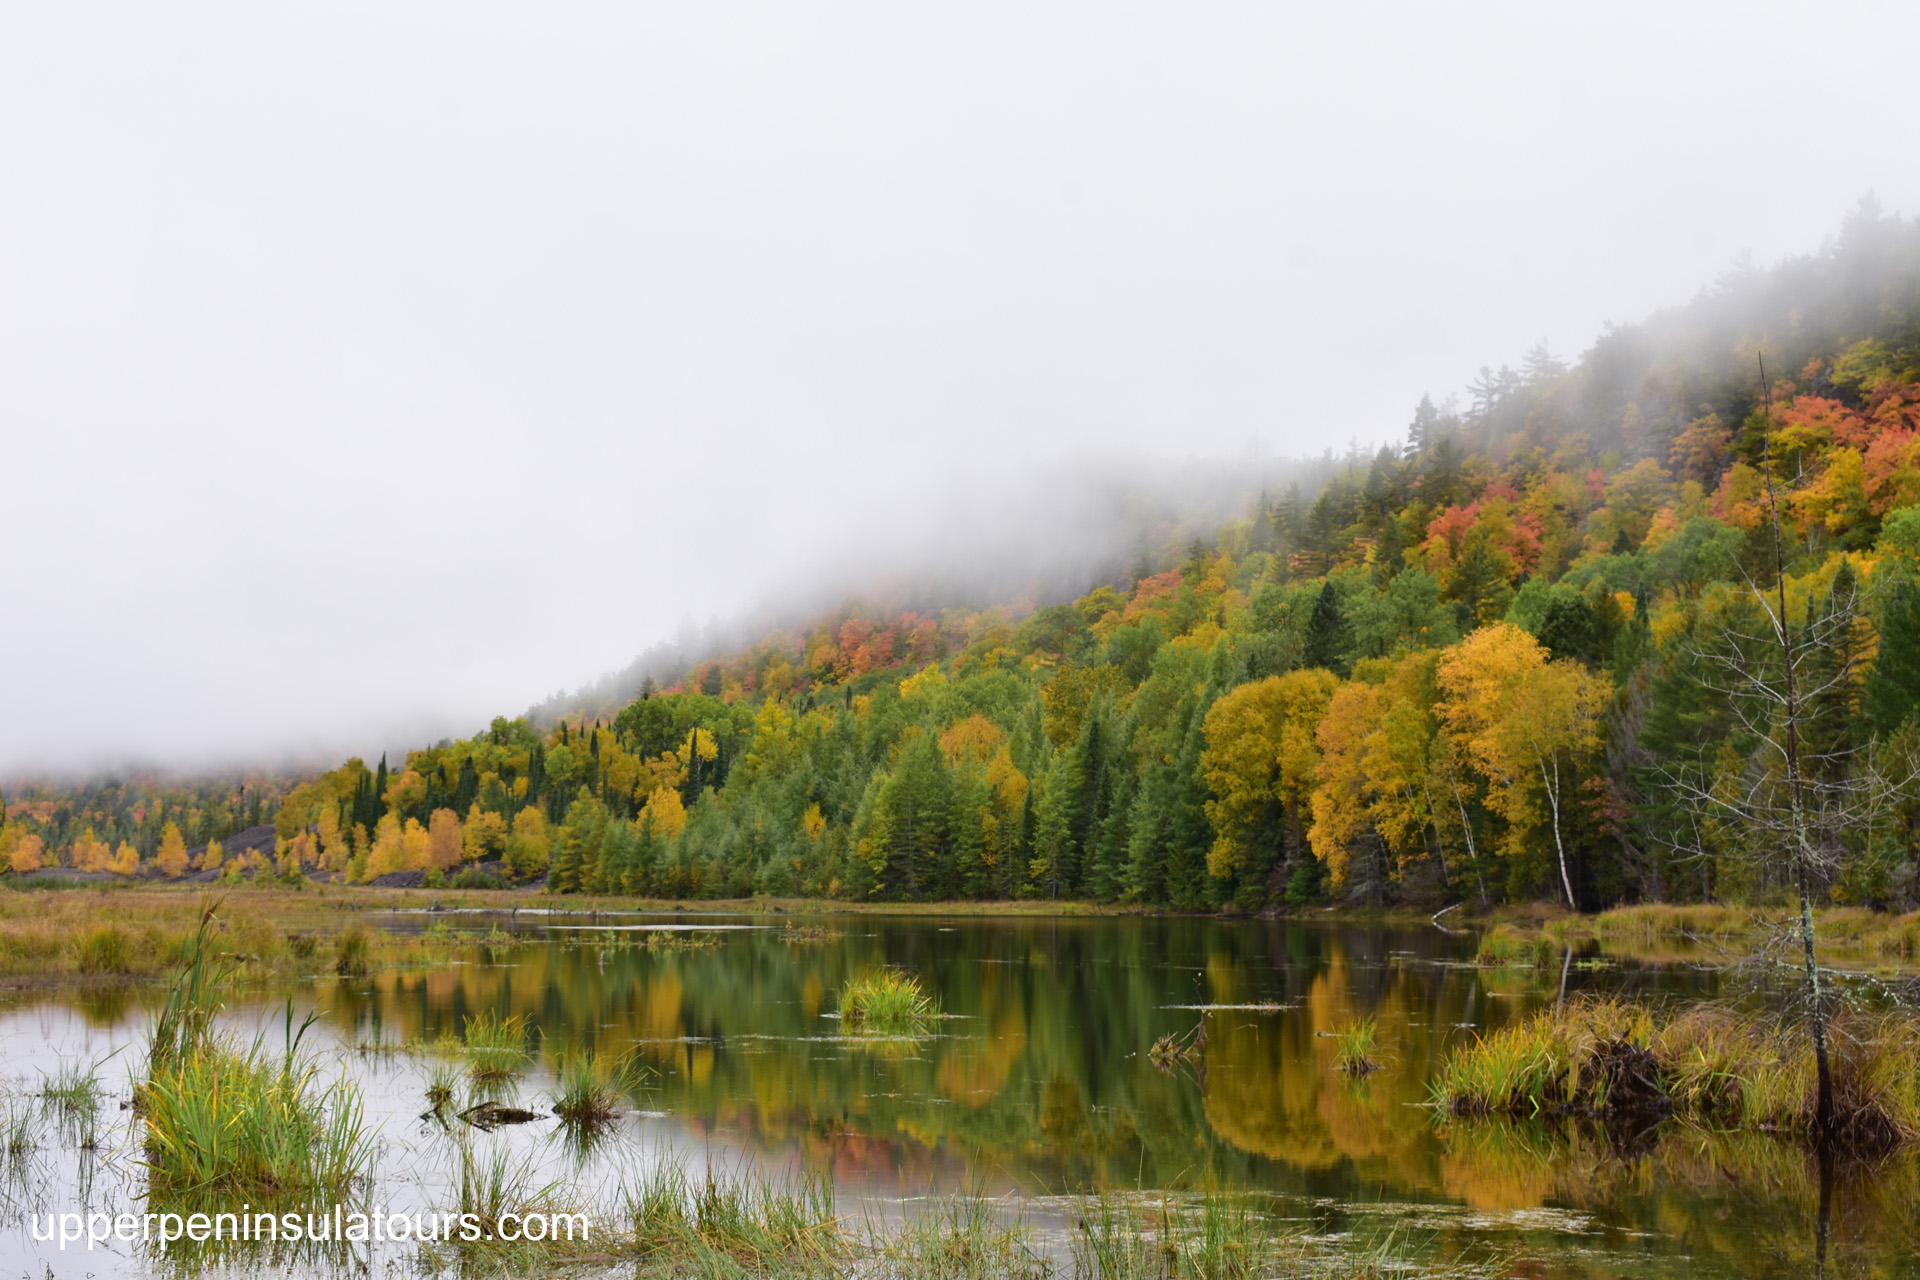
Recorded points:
1326,636
1892,694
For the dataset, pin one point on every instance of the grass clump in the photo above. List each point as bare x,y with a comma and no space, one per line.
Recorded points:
889,1002
1716,1065
589,1086
1354,1047
104,949
220,1117
730,1225
496,1046
350,952
441,1086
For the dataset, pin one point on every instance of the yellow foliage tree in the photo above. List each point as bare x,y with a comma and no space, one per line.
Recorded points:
1259,762
1376,764
126,860
530,848
444,840
664,813
387,853
27,852
172,857
210,857
1526,725
91,853
484,835
416,847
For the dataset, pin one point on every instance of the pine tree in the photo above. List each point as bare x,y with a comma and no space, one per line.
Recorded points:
1892,694
1325,641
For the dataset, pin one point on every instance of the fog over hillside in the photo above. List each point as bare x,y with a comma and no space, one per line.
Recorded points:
366,372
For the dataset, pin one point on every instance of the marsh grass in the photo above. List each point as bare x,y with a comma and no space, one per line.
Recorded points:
677,940
1716,1065
951,1238
496,1047
443,1083
72,1096
809,935
889,1002
1505,947
350,952
222,1116
589,1086
1355,1046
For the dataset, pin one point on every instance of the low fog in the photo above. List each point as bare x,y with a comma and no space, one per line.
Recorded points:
368,371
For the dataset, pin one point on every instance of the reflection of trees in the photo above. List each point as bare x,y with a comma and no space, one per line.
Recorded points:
1043,1076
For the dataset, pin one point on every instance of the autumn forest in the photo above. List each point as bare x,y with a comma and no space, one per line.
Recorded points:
1557,641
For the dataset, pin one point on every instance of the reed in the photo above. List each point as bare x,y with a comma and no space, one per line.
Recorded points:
242,1121
442,1085
496,1046
887,1002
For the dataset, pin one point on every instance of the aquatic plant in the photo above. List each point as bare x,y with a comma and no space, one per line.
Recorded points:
1354,1047
441,1086
350,952
1174,1048
1716,1064
496,1046
808,935
677,940
588,1086
887,1002
727,1224
239,1119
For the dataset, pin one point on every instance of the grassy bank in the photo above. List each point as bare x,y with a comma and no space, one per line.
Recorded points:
1708,1063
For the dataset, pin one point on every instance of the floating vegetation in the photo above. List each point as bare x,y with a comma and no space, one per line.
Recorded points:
679,940
1172,1049
1354,1047
589,1086
496,1046
1719,1066
809,935
887,1002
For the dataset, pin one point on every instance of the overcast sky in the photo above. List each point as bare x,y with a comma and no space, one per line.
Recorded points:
372,369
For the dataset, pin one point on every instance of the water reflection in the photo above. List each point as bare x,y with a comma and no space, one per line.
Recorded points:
1039,1081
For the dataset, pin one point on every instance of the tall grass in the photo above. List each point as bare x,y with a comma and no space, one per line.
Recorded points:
1715,1064
589,1086
1354,1047
887,1002
496,1046
240,1120
220,1116
350,951
72,1095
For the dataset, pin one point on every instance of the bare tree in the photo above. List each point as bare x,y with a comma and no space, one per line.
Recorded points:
1787,792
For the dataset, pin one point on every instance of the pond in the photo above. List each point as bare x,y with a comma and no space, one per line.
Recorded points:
1036,1087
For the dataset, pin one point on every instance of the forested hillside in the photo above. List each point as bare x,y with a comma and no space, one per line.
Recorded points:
1529,653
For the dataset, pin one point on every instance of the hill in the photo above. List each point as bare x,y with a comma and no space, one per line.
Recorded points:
1511,658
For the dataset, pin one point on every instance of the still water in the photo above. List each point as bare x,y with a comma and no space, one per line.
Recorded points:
1037,1087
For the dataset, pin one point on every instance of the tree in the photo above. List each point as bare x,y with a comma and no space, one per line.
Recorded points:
484,835
1259,761
1326,636
172,857
1791,800
1528,726
444,840
530,848
28,850
1891,697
